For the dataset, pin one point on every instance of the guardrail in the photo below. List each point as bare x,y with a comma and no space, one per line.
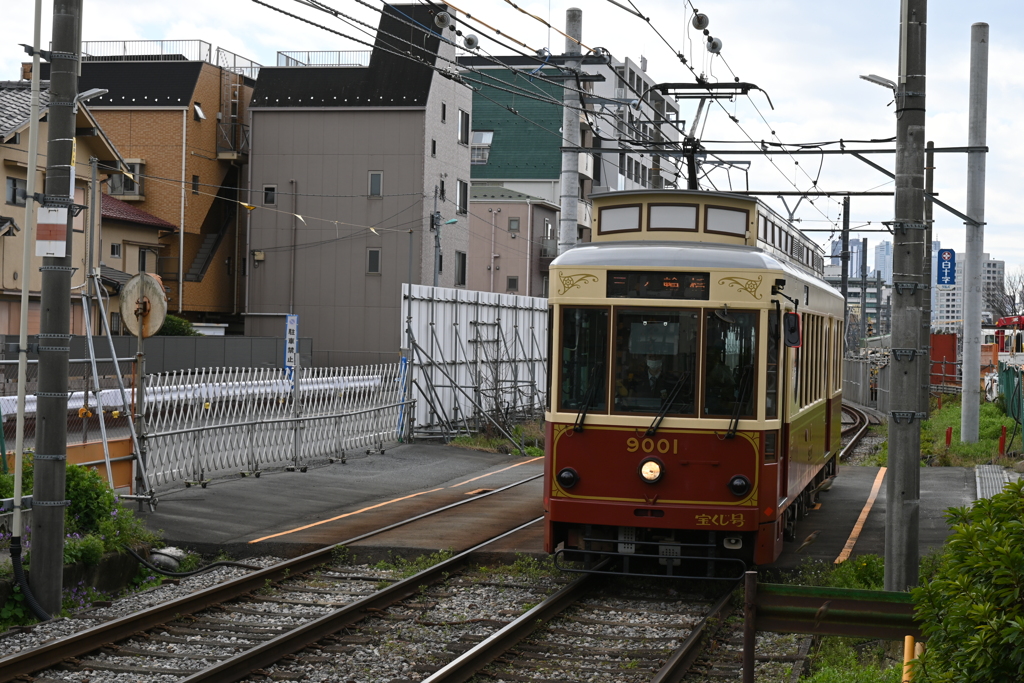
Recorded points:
818,610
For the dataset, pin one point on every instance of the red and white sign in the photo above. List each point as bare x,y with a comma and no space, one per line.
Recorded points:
52,231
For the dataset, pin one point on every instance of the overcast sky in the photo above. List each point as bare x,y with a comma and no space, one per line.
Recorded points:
806,54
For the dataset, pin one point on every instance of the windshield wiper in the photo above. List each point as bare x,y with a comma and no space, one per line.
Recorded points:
587,398
666,404
745,383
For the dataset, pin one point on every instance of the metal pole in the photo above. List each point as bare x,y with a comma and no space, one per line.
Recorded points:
749,630
844,258
977,117
928,280
435,220
55,318
570,178
295,244
864,293
90,245
903,476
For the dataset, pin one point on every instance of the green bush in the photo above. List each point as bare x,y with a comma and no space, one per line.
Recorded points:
177,327
91,500
87,549
27,477
972,610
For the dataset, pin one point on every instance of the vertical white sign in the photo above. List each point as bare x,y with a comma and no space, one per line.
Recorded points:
291,341
52,231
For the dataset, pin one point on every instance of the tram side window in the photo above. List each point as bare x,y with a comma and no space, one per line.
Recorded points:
771,389
730,366
656,361
583,359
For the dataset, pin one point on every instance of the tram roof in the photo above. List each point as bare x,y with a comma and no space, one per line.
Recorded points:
681,255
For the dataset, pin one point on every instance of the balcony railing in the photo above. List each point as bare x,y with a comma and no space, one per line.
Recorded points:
145,50
548,247
237,64
324,58
232,137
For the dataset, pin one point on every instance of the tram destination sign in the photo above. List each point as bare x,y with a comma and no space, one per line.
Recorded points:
945,272
648,284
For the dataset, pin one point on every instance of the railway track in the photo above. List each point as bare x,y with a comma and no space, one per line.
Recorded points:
301,614
855,426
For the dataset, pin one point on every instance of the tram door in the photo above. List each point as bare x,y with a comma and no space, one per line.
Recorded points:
777,404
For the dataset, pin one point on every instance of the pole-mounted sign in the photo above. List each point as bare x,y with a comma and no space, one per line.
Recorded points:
291,342
945,273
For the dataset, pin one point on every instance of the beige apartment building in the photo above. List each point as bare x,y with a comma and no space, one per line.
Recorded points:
90,141
512,240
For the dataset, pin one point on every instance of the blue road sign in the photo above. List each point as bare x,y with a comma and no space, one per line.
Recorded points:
945,273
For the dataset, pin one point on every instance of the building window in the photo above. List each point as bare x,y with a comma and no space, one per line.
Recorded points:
115,323
481,148
142,260
444,113
195,184
373,261
442,193
376,183
463,127
513,224
13,185
513,284
115,250
129,184
197,112
460,269
433,148
462,197
270,195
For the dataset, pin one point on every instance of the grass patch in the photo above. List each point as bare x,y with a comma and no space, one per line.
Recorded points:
524,567
406,568
528,434
991,420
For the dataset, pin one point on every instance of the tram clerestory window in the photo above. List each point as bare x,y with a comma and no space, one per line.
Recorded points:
656,361
583,359
730,364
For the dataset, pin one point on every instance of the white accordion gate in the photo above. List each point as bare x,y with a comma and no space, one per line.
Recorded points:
228,420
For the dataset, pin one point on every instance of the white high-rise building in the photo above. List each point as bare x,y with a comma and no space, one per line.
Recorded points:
883,261
856,257
948,305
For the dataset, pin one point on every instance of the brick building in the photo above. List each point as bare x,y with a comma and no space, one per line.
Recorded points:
177,115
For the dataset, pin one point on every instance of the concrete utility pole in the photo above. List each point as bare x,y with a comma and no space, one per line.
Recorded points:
55,316
435,220
844,258
977,120
570,178
903,477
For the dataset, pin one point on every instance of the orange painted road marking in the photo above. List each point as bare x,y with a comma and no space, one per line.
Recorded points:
855,534
347,514
483,476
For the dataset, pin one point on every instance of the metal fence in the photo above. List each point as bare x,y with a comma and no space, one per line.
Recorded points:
86,406
323,58
145,50
476,357
228,420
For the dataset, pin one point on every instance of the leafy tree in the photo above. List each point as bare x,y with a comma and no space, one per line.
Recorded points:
177,327
972,609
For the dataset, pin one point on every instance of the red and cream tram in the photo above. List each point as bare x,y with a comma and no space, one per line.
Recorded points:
695,386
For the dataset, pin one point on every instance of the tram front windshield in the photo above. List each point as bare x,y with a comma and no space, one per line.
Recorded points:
656,361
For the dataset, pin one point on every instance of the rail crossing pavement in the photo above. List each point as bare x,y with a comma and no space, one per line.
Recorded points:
290,513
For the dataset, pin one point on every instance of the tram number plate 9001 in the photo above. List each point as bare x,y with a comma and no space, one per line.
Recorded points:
649,445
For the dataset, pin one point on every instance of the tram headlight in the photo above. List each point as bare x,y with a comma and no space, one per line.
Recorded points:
650,470
739,485
568,477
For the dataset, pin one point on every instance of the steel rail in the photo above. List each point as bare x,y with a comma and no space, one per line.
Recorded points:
49,654
678,665
861,431
242,665
469,663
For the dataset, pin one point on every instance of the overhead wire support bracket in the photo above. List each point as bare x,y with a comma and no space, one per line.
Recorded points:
899,415
907,354
912,287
